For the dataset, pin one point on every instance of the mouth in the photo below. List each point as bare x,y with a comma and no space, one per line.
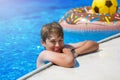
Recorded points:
57,50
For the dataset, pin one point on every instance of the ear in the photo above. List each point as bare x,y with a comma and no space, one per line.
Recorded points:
43,43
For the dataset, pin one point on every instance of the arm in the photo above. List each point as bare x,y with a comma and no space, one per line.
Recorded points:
64,59
84,47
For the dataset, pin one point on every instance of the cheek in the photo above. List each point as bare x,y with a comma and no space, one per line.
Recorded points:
62,44
50,46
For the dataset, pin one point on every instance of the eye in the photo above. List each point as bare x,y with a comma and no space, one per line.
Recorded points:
60,41
53,41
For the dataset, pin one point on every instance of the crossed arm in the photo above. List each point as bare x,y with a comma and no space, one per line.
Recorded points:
84,47
66,59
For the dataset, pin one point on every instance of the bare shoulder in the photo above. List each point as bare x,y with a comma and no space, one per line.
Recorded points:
40,60
42,54
68,46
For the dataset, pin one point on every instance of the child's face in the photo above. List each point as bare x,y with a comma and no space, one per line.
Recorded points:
54,43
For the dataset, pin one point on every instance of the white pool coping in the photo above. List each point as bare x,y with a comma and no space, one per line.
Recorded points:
101,65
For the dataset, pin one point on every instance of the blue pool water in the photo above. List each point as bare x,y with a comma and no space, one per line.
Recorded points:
20,24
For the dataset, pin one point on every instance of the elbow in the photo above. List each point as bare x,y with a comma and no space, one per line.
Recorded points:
95,45
69,62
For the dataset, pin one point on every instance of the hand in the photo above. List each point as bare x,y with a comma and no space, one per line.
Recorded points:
66,50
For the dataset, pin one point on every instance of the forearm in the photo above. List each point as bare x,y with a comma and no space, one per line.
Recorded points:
65,59
88,47
61,59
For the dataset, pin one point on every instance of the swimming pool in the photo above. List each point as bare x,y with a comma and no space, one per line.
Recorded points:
20,23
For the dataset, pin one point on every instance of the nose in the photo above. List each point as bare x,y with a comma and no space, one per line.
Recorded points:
57,44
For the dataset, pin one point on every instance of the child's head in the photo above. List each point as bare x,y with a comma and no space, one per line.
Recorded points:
51,28
52,37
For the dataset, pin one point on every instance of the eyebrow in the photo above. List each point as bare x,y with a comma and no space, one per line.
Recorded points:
54,39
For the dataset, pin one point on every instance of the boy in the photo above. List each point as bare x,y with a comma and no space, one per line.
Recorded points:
58,53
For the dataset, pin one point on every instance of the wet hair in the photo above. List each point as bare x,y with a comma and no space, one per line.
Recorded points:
51,28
